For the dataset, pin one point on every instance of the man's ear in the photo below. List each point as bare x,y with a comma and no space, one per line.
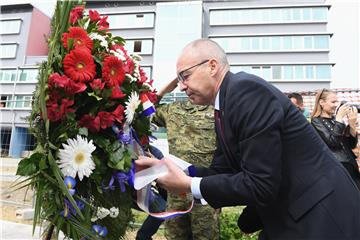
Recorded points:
214,66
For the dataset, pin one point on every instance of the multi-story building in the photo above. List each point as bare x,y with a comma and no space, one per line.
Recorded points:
22,46
286,42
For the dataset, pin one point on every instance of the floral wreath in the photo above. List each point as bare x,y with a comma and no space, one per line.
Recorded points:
90,117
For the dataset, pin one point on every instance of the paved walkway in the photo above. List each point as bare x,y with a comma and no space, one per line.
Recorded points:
11,230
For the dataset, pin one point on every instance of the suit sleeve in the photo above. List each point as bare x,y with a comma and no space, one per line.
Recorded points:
255,116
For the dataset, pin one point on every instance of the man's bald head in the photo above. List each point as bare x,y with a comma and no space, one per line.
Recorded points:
202,49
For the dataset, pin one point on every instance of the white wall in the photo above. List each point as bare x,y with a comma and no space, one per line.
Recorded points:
177,24
345,51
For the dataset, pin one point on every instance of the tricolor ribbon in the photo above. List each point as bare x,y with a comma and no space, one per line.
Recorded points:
142,184
142,180
147,105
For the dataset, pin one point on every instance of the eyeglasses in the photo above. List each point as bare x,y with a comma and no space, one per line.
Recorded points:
182,78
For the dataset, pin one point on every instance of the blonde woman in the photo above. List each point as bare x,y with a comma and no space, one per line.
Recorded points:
339,137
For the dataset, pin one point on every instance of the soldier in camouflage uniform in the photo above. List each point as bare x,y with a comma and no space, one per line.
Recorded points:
191,137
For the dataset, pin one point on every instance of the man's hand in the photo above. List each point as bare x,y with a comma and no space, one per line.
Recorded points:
176,181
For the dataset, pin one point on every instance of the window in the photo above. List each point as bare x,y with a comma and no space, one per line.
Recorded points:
10,26
274,43
28,74
17,101
134,20
319,13
6,101
140,46
5,134
323,72
268,15
321,42
8,50
7,75
288,72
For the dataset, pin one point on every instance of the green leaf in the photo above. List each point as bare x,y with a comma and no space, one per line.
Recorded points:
83,131
92,94
117,152
29,166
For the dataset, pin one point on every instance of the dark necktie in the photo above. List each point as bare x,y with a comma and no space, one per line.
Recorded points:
219,125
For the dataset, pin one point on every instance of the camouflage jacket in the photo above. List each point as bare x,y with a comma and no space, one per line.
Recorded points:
190,130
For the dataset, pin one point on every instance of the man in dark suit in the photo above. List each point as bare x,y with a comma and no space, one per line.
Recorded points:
267,157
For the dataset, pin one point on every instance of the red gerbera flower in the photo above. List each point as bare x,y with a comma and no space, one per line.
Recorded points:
76,13
113,71
79,65
79,37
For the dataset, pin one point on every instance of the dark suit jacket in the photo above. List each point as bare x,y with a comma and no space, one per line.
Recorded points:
274,160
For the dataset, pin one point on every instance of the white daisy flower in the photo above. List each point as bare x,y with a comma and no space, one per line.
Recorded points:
102,40
75,158
119,54
136,57
131,105
114,212
131,78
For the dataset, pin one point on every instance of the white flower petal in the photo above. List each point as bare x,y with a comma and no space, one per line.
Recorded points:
77,148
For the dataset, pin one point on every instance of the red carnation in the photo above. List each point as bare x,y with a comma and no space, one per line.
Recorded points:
106,119
56,112
74,87
79,37
113,71
94,16
57,81
79,65
129,66
118,113
93,124
103,23
76,13
143,76
117,93
97,84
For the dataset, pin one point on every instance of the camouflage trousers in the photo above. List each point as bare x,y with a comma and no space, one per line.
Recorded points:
202,223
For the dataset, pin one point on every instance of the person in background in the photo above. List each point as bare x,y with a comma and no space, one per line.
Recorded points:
267,156
341,138
191,137
151,224
298,101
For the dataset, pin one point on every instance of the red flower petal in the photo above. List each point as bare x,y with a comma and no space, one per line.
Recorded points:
79,37
113,71
79,65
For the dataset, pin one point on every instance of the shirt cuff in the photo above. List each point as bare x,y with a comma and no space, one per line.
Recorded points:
195,187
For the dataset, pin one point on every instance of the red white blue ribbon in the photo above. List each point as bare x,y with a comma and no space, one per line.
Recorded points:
147,105
142,184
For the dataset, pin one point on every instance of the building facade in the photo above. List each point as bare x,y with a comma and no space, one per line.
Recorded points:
288,43
22,47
